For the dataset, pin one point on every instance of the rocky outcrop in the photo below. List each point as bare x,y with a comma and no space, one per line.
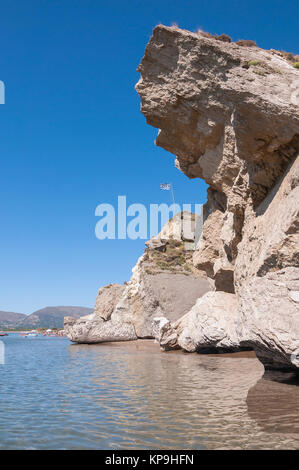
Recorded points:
209,326
94,330
164,283
107,298
98,327
268,285
228,114
165,333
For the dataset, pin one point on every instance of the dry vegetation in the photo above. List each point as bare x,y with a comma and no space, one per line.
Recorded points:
261,68
246,43
289,56
173,258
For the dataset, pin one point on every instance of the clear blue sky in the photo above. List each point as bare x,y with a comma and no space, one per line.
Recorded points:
72,135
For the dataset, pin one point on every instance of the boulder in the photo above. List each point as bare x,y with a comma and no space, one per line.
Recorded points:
209,326
107,298
96,330
98,327
165,334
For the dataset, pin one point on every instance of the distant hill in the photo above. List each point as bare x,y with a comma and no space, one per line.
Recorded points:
48,317
10,319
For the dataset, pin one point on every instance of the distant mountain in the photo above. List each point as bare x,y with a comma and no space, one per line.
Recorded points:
48,317
10,319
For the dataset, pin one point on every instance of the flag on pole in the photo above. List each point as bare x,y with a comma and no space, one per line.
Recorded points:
165,186
168,187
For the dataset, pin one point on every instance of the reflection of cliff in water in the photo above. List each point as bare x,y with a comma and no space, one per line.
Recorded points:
274,403
174,400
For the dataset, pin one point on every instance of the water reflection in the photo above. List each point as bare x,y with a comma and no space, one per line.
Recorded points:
174,400
55,395
274,404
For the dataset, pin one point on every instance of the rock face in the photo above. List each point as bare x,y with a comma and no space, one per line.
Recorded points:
98,327
229,115
165,333
90,330
107,298
164,283
209,326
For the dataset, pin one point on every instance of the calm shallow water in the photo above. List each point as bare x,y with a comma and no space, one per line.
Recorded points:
55,395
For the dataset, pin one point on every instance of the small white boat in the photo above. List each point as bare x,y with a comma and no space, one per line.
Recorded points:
31,335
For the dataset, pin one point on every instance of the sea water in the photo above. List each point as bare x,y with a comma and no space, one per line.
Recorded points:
59,395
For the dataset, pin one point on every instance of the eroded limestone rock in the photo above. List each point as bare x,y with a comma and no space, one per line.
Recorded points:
165,334
98,327
107,298
164,283
228,115
96,330
210,325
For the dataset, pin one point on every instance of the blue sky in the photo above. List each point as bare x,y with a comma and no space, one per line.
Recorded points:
72,135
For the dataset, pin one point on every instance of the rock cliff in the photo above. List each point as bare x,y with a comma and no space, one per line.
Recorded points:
164,283
228,114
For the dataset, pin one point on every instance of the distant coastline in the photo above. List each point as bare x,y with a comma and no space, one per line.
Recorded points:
47,317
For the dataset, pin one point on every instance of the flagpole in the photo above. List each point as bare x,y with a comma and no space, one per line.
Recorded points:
172,193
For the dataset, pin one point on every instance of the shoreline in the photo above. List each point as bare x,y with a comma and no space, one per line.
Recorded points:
152,345
149,344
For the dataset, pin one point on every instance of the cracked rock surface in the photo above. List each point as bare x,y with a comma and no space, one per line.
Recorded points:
164,283
229,116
